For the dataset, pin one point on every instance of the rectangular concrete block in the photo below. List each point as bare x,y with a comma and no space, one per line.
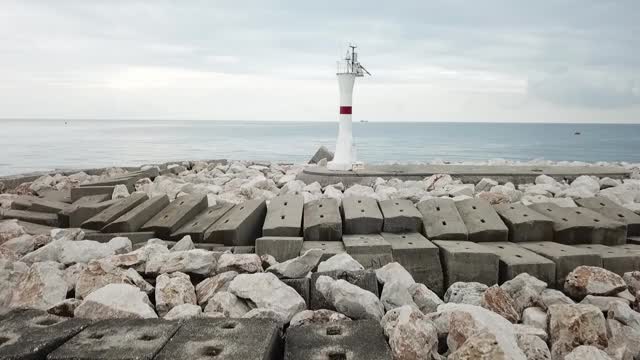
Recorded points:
633,240
135,237
482,221
400,216
361,215
118,339
566,257
322,221
613,211
240,226
78,213
361,339
229,339
35,229
371,250
41,218
615,259
197,227
92,199
329,248
133,220
420,257
129,179
301,286
524,223
467,261
175,215
515,260
631,247
22,202
284,216
282,248
56,195
114,211
365,279
82,191
48,206
442,220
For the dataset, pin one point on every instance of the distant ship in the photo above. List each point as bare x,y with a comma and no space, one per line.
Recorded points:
363,121
576,133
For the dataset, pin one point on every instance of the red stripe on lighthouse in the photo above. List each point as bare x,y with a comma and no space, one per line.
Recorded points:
345,110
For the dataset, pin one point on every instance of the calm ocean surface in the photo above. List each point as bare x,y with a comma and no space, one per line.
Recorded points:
51,144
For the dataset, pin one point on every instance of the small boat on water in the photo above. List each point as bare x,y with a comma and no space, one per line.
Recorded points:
576,133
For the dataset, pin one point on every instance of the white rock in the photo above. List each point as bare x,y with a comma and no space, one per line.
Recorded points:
585,352
534,347
41,287
342,261
536,317
333,193
509,191
550,297
350,299
11,273
80,251
313,188
299,266
360,190
20,245
465,293
10,229
624,314
426,300
608,182
241,263
394,272
524,289
197,261
96,275
184,311
210,286
278,317
116,301
603,302
172,290
576,193
544,179
411,335
588,182
321,316
485,184
395,294
184,244
120,192
228,304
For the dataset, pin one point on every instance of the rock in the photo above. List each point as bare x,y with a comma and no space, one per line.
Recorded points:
632,279
589,183
544,179
265,290
210,286
228,304
262,313
322,316
41,287
197,261
10,229
535,317
184,244
267,261
576,193
509,190
426,300
297,267
120,192
524,289
573,325
11,272
395,294
411,335
521,329
481,345
533,347
342,261
67,234
313,188
136,259
550,297
79,251
460,190
172,290
602,302
184,311
493,198
350,299
241,263
465,293
623,340
333,193
116,301
584,352
321,153
591,280
64,308
499,301
624,314
485,184
394,272
97,275
360,190
71,275
21,245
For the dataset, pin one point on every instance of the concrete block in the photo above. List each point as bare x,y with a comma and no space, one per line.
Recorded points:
33,334
361,215
280,247
515,260
322,221
361,339
78,213
118,339
114,211
197,227
92,199
631,247
613,211
82,191
615,259
129,179
23,202
329,248
371,250
467,261
582,226
133,220
35,229
365,279
301,286
524,223
232,339
400,216
175,215
48,206
482,221
41,218
244,250
56,195
442,220
240,226
566,257
284,216
135,237
633,240
420,257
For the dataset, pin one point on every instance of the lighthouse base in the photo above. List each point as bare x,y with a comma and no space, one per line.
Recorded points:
339,166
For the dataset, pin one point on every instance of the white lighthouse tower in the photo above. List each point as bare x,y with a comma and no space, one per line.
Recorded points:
348,70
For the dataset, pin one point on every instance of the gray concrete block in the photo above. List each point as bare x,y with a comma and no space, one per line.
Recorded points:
633,240
361,215
22,202
41,218
129,179
371,250
524,223
361,339
76,214
33,334
280,247
240,226
442,220
482,221
244,250
365,279
197,227
516,260
322,221
631,247
232,339
114,211
118,339
617,260
582,226
82,191
400,216
135,237
175,215
329,248
92,199
613,211
133,220
48,206
284,216
35,229
56,195
301,286
420,257
566,257
467,261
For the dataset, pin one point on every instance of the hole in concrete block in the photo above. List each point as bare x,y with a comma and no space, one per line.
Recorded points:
444,223
241,207
229,325
602,204
397,203
578,212
611,252
410,243
564,219
282,217
321,216
226,221
518,256
337,356
525,215
620,215
166,216
549,210
401,210
361,210
512,208
359,201
210,211
320,205
482,221
47,322
437,208
285,203
323,244
195,223
211,351
147,337
596,220
404,236
562,250
473,207
501,247
334,330
181,202
96,336
4,339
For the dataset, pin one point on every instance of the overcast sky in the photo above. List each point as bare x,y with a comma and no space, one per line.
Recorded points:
436,60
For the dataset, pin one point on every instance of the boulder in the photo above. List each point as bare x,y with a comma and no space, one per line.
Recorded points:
64,308
210,286
278,317
573,325
499,301
624,314
11,273
322,316
533,347
591,280
70,252
394,272
589,183
550,297
240,263
465,293
342,261
172,290
411,335
350,299
197,262
297,267
120,192
136,259
524,289
67,234
603,302
228,304
623,340
116,301
21,245
395,294
41,287
184,244
426,300
632,279
96,275
485,184
585,352
536,317
184,311
481,345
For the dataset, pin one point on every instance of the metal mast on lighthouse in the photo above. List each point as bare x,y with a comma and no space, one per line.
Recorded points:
348,70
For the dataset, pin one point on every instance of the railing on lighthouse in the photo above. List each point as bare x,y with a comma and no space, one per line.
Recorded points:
350,64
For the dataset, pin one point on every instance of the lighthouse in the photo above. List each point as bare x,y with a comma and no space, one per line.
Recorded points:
348,69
